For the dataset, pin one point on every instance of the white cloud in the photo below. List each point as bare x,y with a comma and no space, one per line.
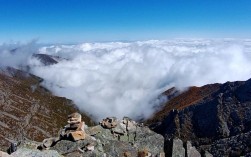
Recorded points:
123,79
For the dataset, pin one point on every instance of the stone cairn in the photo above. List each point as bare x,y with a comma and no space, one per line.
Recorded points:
74,131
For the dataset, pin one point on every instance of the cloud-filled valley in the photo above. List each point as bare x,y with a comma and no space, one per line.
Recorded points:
125,78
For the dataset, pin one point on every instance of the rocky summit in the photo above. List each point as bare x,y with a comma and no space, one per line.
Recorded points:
112,137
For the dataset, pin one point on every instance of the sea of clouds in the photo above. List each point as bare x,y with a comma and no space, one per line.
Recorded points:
125,78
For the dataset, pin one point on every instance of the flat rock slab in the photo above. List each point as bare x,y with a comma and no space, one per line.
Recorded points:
25,152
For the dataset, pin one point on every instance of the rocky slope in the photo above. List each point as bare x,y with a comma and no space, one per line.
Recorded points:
29,110
216,118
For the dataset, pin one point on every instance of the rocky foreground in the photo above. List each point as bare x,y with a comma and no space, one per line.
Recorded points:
112,137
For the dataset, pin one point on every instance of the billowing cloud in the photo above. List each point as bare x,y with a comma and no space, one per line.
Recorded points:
123,79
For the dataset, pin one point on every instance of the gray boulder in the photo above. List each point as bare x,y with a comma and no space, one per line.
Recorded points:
178,150
192,151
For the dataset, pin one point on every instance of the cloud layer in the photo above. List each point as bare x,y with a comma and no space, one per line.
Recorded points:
124,79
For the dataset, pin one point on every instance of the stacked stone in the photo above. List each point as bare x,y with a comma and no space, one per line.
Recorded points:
74,131
75,128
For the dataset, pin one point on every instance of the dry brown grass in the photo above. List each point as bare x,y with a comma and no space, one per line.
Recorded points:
31,114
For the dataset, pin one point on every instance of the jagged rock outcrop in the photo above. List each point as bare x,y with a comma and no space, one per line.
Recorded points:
29,111
215,118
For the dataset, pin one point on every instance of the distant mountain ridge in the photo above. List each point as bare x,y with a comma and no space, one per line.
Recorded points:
46,59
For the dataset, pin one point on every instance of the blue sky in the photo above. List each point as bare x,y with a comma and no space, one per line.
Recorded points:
113,20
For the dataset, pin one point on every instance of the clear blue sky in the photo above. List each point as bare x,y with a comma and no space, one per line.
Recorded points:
111,20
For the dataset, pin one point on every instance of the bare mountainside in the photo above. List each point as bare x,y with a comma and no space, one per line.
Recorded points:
215,117
29,110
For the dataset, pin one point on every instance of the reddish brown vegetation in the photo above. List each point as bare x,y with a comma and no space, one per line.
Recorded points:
187,98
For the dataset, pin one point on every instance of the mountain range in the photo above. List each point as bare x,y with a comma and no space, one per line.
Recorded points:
216,118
